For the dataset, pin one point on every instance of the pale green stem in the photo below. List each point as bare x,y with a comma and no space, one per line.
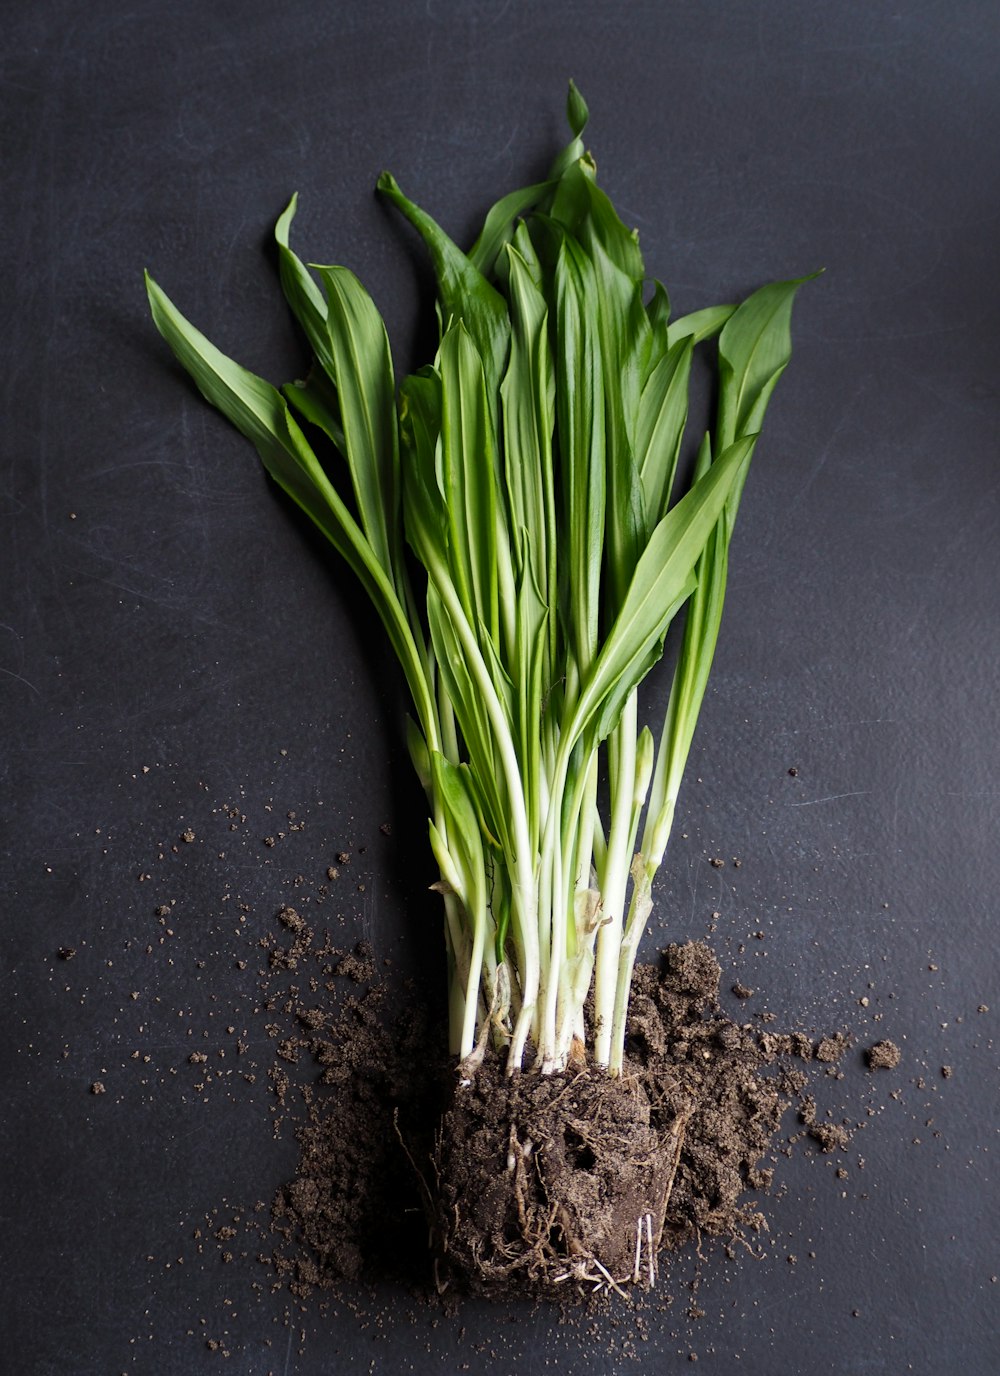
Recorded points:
577,959
639,910
615,881
523,894
473,984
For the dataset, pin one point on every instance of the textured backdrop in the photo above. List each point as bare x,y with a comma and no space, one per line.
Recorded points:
170,646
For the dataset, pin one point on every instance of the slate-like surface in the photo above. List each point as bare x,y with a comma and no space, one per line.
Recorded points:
169,643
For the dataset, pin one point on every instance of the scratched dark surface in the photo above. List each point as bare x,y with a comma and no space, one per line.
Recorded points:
169,643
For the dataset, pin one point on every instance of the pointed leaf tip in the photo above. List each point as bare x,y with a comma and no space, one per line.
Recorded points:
576,110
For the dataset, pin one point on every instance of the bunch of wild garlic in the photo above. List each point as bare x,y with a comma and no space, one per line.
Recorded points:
533,471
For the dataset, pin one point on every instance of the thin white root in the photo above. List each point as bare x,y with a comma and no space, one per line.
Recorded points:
609,1279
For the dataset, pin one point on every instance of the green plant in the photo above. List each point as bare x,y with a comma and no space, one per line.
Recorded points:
535,471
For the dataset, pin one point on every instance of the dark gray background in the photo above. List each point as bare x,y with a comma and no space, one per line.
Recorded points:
180,622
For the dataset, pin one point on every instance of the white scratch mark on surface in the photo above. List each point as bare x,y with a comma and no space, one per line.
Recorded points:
832,798
10,673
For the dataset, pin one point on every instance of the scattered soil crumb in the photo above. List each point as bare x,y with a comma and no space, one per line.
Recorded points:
388,1146
884,1055
830,1049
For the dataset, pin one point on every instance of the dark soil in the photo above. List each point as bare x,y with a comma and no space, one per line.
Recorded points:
557,1185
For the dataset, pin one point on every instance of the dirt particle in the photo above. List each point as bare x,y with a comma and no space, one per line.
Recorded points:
884,1055
98,1087
830,1049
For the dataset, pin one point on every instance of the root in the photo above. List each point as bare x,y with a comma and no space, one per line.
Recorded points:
583,1186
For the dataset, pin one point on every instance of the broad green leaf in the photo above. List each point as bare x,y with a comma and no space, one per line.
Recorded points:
465,293
754,349
499,226
658,312
465,841
532,660
528,396
524,245
662,578
420,432
702,620
472,716
624,338
362,368
580,415
315,399
260,412
585,212
478,542
316,402
699,325
301,292
663,409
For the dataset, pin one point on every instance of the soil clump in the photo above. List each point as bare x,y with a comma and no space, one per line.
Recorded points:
552,1186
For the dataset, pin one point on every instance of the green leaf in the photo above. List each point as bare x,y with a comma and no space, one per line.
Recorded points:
580,413
362,367
465,840
663,409
472,716
699,325
315,400
301,292
477,539
577,114
754,349
425,521
658,314
260,412
465,293
528,396
663,577
702,621
499,226
585,212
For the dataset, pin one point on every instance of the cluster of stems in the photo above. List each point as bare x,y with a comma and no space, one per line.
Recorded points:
523,517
